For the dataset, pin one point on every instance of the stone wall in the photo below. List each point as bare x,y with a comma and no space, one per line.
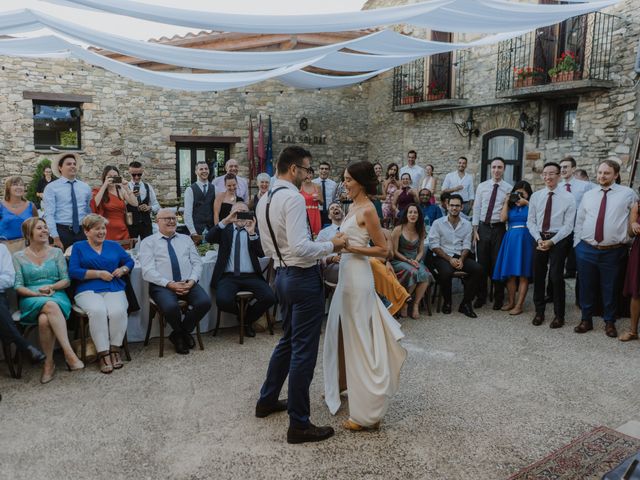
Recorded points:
140,119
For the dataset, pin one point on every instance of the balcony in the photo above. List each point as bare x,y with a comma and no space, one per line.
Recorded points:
429,83
569,58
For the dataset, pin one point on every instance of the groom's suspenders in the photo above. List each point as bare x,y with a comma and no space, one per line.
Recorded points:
273,236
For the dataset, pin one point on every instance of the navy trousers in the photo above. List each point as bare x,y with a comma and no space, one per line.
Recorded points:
299,293
199,304
598,271
8,331
230,284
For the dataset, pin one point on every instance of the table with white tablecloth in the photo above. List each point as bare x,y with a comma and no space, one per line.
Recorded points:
138,321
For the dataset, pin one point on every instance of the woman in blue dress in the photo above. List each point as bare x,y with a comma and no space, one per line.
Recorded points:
14,209
41,278
515,259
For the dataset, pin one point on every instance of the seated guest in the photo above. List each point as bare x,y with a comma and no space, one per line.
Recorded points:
450,242
515,258
172,266
99,266
408,249
405,196
110,200
41,277
444,206
8,331
226,199
231,167
264,181
332,262
385,280
430,211
238,267
14,209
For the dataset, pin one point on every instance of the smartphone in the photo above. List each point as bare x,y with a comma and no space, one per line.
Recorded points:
116,180
244,215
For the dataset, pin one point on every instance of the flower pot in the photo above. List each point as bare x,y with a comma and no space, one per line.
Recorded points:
410,99
435,96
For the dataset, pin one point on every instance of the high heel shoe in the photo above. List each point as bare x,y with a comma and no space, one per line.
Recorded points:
36,355
77,366
46,378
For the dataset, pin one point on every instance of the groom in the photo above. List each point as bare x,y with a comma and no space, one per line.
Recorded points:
282,219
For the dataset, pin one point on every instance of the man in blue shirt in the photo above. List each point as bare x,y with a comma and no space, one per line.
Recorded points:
430,211
66,202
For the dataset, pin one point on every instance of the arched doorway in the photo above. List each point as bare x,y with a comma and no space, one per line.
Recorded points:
505,143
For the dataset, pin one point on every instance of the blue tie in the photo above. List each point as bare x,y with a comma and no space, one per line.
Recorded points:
175,265
236,252
75,220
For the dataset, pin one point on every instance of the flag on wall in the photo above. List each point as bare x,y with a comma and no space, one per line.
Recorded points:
261,154
270,168
250,153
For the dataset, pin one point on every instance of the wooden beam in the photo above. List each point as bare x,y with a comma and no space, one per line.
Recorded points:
57,97
202,139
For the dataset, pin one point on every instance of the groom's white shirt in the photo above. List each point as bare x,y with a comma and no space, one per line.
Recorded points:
288,215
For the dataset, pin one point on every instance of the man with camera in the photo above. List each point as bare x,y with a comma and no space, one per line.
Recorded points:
140,225
488,229
238,268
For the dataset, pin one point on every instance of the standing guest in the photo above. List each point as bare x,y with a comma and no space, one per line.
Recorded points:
380,195
430,211
41,278
231,167
416,172
331,262
581,174
489,228
111,200
450,242
313,200
389,187
327,190
226,199
299,292
264,181
340,195
405,196
461,183
147,203
515,258
66,202
408,245
430,182
198,201
47,178
99,266
552,212
14,209
8,331
240,245
632,278
600,240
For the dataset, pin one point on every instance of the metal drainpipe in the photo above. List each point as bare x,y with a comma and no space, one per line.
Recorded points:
637,66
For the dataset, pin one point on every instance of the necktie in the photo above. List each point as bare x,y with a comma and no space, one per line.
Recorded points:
599,236
204,189
492,203
173,258
546,220
324,196
236,252
568,187
75,218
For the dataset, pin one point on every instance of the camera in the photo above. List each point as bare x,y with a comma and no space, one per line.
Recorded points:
116,180
244,215
514,197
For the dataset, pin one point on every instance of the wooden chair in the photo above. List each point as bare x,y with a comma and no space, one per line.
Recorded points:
242,302
437,294
82,331
425,303
153,309
14,362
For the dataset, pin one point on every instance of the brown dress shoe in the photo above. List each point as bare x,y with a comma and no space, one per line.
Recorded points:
610,329
557,323
538,319
584,327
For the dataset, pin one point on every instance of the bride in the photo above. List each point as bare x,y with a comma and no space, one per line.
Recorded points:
358,321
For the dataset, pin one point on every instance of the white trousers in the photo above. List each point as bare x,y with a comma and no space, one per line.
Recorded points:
108,317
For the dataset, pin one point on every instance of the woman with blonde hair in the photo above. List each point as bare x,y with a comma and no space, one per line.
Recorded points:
14,209
41,278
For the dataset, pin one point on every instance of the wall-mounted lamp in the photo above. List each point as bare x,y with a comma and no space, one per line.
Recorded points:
527,124
468,128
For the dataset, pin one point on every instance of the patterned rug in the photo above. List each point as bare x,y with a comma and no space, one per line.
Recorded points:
587,457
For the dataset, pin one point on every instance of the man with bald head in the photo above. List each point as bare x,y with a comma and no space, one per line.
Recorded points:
231,166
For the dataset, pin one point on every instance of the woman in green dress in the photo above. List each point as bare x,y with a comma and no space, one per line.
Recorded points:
41,277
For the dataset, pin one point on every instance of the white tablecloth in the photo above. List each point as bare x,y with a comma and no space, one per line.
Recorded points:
138,321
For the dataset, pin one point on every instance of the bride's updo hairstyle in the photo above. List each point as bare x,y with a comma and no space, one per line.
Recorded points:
364,173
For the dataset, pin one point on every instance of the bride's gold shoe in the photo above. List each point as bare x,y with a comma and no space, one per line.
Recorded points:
356,427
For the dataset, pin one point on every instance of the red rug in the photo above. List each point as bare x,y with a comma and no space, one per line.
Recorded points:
587,457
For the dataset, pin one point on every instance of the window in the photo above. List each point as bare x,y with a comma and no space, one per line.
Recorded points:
56,124
187,155
565,120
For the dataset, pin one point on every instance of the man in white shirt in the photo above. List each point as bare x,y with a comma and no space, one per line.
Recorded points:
488,229
282,221
198,201
242,190
461,183
450,241
331,262
172,266
147,203
415,171
600,239
327,190
552,212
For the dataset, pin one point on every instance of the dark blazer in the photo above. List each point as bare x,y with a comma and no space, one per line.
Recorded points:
224,238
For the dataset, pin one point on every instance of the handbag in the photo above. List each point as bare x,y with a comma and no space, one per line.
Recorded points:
128,218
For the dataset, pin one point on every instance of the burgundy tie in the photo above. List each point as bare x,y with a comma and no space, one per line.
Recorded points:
546,220
568,187
492,203
599,236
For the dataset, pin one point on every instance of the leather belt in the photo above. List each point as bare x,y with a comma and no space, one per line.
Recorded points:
608,247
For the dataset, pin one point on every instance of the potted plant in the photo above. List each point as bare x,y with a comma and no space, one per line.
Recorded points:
411,95
528,76
436,92
567,68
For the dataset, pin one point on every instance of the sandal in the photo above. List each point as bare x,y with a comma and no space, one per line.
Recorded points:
104,366
116,361
356,427
626,336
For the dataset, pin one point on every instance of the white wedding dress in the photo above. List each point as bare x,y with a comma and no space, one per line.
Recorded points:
373,356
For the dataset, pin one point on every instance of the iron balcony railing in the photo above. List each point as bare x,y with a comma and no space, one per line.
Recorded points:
437,77
577,49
